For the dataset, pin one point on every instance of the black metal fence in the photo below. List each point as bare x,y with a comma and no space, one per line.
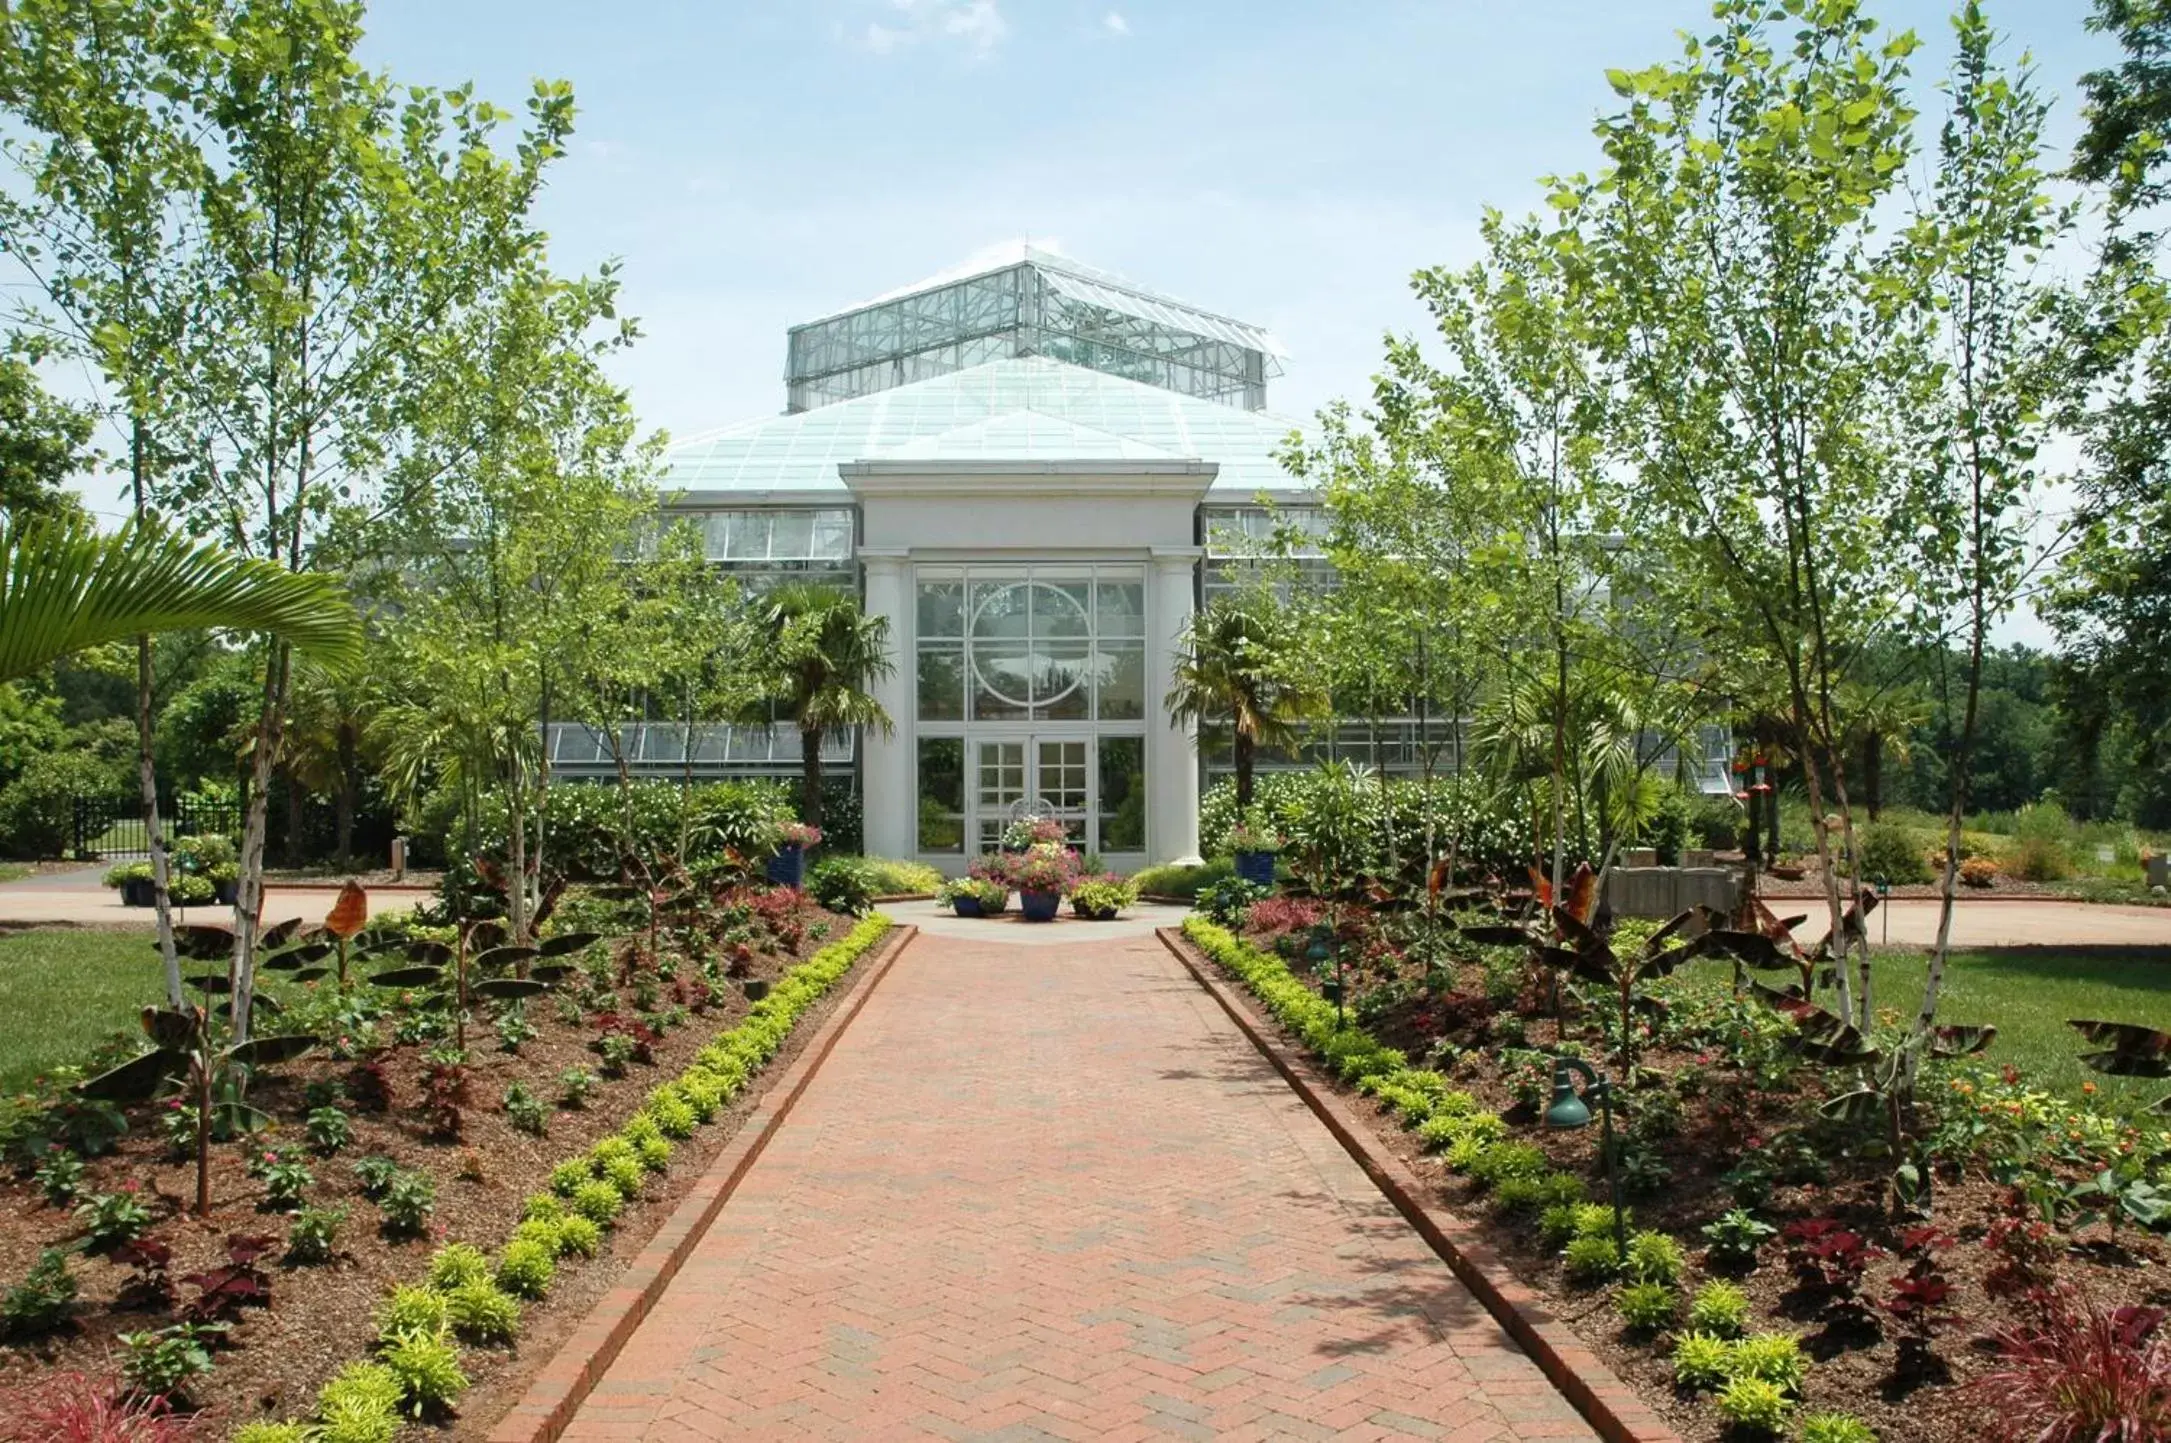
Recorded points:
113,826
300,830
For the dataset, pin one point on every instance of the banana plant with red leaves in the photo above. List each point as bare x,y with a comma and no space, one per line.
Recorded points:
1590,957
214,1077
1760,939
2130,1050
1880,1083
525,971
1539,931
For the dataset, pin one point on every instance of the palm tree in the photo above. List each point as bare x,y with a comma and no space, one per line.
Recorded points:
64,586
1237,668
819,653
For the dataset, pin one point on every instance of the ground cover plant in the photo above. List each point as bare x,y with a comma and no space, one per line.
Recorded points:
386,1151
1786,1264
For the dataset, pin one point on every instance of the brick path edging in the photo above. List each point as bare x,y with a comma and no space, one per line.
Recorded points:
1609,1405
555,1394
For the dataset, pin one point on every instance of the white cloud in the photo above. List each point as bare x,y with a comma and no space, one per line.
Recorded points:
1114,23
977,25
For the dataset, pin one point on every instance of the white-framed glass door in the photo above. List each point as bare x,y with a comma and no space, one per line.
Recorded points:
1052,774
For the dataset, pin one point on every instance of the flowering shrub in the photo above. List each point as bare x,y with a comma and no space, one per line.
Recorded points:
1246,836
1275,916
1032,832
2015,1131
1043,867
798,834
1979,871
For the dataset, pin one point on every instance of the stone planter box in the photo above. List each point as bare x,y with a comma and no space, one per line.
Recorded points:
1668,891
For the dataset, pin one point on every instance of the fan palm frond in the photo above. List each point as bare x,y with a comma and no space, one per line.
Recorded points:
64,586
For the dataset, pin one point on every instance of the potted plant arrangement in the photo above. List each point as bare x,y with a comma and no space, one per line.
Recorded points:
974,897
1255,848
211,857
1028,832
1042,873
1100,898
788,865
133,879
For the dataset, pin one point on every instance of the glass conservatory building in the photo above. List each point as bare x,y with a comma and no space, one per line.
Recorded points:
1019,467
1035,471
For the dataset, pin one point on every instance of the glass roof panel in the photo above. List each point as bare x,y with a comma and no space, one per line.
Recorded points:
1023,301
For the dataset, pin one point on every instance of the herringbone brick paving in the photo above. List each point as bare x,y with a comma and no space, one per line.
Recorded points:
1051,1192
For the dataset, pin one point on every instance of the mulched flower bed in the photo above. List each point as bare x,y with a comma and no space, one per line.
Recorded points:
1809,887
1698,1116
321,1317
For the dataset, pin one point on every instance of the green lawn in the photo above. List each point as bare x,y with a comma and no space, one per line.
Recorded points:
64,990
2029,993
13,871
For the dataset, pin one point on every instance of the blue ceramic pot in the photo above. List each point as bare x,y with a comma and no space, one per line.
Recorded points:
788,868
967,907
1039,906
1256,868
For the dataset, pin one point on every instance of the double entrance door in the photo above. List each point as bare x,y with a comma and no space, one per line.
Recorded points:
1037,775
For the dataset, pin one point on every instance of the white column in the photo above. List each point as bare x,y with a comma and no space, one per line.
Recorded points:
886,761
1172,754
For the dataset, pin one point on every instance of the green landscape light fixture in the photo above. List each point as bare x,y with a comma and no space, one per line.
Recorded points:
1569,1110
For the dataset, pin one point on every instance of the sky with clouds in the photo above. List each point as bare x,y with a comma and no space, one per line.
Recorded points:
759,162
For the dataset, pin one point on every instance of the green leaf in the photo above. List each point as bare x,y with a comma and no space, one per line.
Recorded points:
64,587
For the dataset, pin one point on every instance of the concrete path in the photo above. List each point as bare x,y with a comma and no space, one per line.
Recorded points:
1050,1192
2002,924
79,898
1138,920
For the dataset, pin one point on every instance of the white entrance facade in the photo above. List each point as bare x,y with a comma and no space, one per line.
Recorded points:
1036,615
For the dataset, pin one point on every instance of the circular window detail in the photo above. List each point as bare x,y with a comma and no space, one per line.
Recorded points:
1011,669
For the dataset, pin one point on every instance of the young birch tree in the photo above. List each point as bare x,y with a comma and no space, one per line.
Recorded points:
1732,240
2001,371
536,498
345,222
105,156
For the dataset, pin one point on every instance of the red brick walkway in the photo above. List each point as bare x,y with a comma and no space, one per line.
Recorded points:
1051,1192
